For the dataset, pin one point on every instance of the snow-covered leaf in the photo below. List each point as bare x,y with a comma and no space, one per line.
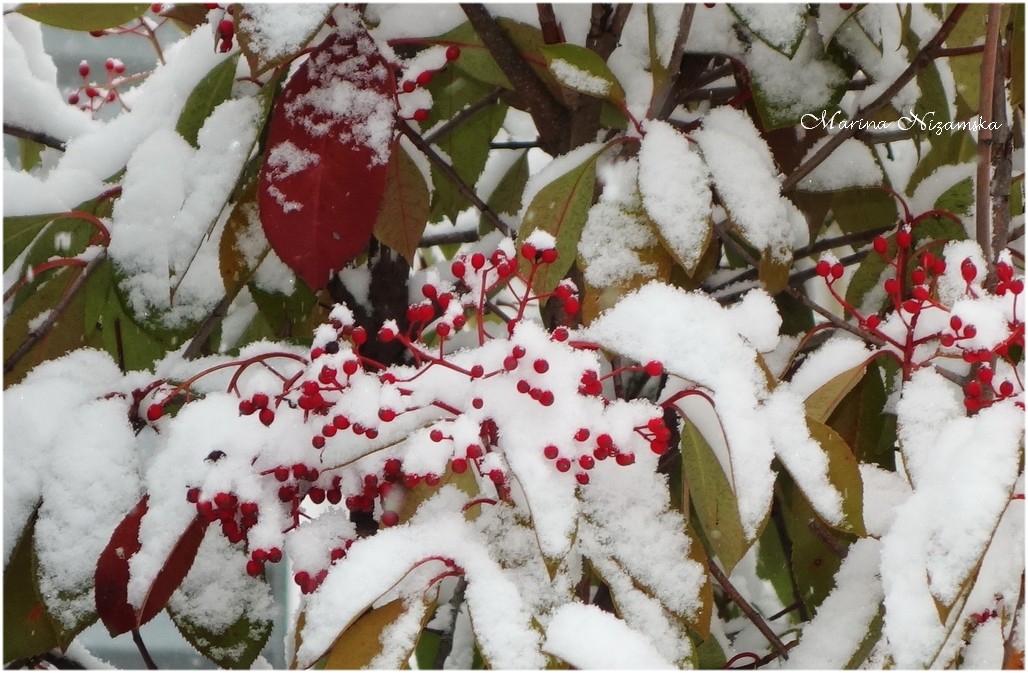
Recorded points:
272,35
779,26
581,69
823,401
843,474
586,637
328,152
212,90
28,627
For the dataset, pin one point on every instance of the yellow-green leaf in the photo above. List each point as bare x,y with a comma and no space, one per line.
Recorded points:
712,498
581,69
773,273
85,17
843,474
405,206
822,402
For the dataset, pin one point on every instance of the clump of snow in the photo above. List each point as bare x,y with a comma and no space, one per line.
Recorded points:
589,638
674,184
746,179
805,83
836,356
850,165
277,31
575,78
778,25
610,243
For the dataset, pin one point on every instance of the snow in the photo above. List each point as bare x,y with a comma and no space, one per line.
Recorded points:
746,179
674,184
610,245
851,165
842,620
836,356
779,25
806,83
580,80
278,31
588,638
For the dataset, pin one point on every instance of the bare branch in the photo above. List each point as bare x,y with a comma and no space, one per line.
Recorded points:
34,136
747,609
983,225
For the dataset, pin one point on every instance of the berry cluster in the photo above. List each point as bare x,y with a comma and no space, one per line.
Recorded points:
424,78
91,95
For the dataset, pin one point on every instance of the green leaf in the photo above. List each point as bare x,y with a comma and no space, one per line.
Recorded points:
867,644
427,649
29,154
862,422
291,316
209,93
110,327
814,563
506,198
84,17
958,199
772,272
468,144
781,28
477,62
857,210
236,646
948,149
843,474
405,206
28,629
967,69
657,68
560,208
773,563
822,402
359,644
19,232
712,497
581,69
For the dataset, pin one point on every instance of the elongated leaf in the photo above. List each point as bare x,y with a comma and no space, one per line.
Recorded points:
85,17
560,208
477,61
325,174
712,498
844,475
404,213
28,629
581,69
263,51
112,572
359,644
772,272
20,232
778,26
109,326
506,198
213,89
822,402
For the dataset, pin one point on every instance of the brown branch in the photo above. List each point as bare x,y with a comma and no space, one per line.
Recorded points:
1002,150
550,117
206,328
747,609
950,52
141,646
447,237
552,31
983,225
43,329
664,101
822,533
451,174
34,136
920,61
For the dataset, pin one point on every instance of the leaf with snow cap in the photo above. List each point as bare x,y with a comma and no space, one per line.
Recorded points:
778,26
581,69
271,36
28,628
112,572
843,474
327,161
213,89
560,209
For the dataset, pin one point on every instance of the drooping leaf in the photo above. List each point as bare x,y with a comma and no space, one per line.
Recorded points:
773,562
822,402
947,149
264,52
773,272
814,563
30,153
84,17
779,27
711,496
843,474
581,69
112,572
28,628
325,174
213,89
405,208
243,245
358,645
862,422
506,198
467,144
560,208
237,646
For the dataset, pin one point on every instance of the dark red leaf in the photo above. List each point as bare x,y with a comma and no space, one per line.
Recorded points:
329,140
112,572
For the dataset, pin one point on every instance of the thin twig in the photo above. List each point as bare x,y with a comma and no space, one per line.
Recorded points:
1002,150
452,175
43,329
920,61
822,533
141,646
34,136
205,329
747,609
447,237
983,210
950,52
514,145
435,136
446,641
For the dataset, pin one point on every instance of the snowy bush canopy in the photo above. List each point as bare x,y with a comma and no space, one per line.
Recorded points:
519,337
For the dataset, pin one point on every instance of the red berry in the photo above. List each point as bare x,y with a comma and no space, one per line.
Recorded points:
281,473
386,415
266,416
496,476
260,400
477,261
154,412
654,368
443,330
459,465
193,495
274,555
393,467
259,555
390,518
225,501
548,256
286,493
587,462
546,399
891,286
254,568
582,434
249,509
420,115
624,459
477,372
452,52
83,69
918,276
880,245
985,375
411,480
563,465
473,451
318,442
582,478
903,239
73,98
604,441
837,271
571,306
436,435
541,366
337,553
551,451
425,78
970,331
156,8
317,495
1006,389
823,268
973,389
432,479
528,251
226,29
873,321
968,270
457,269
302,578
658,447
560,334
477,402
409,86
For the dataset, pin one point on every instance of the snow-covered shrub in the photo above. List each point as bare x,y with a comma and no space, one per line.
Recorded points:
613,336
